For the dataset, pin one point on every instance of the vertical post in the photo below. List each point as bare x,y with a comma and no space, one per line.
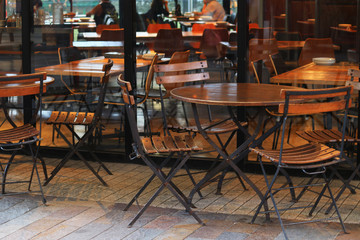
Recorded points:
127,10
226,6
243,57
27,25
287,19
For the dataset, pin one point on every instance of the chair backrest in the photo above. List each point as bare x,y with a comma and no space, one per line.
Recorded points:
262,49
312,101
253,25
155,27
149,79
169,41
68,54
190,74
112,35
177,57
103,86
200,27
288,36
101,27
261,32
278,63
316,47
210,40
130,106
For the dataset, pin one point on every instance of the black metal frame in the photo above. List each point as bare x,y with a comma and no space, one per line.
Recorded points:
319,168
74,149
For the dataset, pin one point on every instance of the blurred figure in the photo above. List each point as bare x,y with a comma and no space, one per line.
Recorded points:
36,5
158,7
214,9
103,12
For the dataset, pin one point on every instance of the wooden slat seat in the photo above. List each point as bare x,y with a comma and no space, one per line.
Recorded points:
18,134
304,154
324,136
168,144
210,127
72,118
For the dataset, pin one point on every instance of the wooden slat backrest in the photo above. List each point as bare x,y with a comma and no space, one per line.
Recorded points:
125,90
149,78
331,99
29,84
106,69
188,77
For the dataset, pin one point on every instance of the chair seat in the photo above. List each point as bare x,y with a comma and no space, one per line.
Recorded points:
324,136
71,118
210,127
153,93
18,134
168,144
308,154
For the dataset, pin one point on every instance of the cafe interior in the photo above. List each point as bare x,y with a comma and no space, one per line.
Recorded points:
263,99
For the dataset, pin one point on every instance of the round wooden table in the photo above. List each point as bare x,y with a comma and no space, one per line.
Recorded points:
230,95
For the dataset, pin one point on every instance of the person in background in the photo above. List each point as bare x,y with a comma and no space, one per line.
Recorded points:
214,9
36,5
105,7
158,7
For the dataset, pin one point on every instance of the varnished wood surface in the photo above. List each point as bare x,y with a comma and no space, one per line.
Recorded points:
145,36
23,89
231,94
91,67
282,45
311,73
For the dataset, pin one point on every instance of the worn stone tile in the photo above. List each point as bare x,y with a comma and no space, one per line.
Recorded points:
56,232
144,234
88,231
163,222
232,236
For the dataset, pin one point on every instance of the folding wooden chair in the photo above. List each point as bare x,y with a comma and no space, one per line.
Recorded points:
332,137
194,72
312,158
14,139
144,147
91,120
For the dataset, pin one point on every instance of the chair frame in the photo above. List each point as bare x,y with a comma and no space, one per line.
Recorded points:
14,139
312,159
91,120
144,147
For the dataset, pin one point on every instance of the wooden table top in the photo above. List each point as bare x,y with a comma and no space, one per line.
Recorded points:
145,36
231,94
311,73
348,30
91,67
25,88
282,45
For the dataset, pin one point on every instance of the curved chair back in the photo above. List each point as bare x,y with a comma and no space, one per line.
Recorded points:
155,27
316,47
112,35
210,40
262,49
102,27
169,41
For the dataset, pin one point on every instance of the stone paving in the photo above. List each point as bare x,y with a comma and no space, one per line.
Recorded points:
79,207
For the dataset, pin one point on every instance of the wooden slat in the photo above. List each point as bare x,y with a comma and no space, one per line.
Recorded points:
158,143
181,144
62,117
339,91
71,118
191,77
89,118
169,143
190,142
180,66
18,134
54,115
148,147
311,108
80,118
